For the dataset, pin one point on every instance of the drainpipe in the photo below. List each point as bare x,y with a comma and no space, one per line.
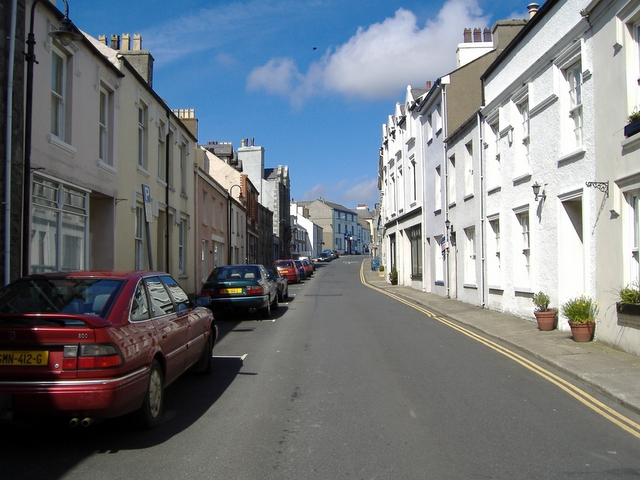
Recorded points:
446,191
9,150
483,220
167,147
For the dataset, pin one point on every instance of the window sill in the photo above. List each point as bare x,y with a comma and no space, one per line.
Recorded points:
575,155
143,171
107,167
468,197
471,286
524,177
525,290
630,143
62,145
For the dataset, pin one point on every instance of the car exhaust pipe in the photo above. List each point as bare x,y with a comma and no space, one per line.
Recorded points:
86,422
74,422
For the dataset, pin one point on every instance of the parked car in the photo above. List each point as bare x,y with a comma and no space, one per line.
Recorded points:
281,283
311,262
288,270
301,270
308,268
241,288
325,257
95,344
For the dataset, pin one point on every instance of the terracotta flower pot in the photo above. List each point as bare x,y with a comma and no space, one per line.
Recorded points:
546,320
582,331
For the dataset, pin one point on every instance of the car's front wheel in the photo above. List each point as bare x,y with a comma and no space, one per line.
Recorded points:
151,411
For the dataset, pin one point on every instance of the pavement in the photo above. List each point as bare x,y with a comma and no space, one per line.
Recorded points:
612,372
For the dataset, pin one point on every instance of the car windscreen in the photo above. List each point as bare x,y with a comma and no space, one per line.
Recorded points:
88,296
234,272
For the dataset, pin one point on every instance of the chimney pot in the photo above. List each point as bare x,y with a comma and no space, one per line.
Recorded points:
137,41
126,41
477,35
533,9
467,35
487,35
115,42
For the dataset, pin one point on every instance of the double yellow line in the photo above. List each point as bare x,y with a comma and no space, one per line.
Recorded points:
594,404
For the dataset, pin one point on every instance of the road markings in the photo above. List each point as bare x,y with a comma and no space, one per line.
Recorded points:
232,357
617,418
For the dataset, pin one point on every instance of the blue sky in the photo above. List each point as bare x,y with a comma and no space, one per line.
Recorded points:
312,81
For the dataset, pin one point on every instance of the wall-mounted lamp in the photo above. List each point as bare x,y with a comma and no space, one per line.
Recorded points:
536,192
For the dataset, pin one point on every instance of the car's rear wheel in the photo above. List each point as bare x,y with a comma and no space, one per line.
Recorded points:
151,410
266,311
205,364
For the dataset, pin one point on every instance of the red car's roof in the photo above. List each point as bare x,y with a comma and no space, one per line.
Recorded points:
113,274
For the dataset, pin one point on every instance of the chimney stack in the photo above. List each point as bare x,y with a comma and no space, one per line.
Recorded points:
126,41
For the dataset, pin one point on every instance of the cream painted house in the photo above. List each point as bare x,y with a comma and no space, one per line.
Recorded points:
154,165
75,183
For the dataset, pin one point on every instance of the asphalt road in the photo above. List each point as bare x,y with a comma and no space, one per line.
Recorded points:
344,383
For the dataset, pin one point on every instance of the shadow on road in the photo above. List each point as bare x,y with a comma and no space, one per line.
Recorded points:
49,450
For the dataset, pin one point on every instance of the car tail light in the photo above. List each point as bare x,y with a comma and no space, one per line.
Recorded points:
254,291
90,356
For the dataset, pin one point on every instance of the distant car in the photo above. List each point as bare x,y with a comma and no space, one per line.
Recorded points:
96,344
241,288
325,257
308,268
301,270
281,283
311,262
288,270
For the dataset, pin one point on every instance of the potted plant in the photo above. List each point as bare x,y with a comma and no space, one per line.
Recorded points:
545,316
628,304
581,312
381,271
633,126
393,276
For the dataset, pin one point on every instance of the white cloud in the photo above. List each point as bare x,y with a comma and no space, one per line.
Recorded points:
378,61
366,191
349,194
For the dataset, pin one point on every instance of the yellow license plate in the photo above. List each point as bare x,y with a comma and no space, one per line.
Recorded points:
231,290
25,359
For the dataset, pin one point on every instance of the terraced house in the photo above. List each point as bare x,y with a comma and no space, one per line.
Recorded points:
531,184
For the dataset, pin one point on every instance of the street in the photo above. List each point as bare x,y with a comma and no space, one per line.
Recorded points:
344,382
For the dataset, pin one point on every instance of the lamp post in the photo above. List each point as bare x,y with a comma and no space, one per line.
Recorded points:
241,198
65,35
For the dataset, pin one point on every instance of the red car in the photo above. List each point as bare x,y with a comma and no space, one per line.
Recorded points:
288,270
92,345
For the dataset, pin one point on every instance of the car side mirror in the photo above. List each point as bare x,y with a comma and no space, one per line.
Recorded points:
203,300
